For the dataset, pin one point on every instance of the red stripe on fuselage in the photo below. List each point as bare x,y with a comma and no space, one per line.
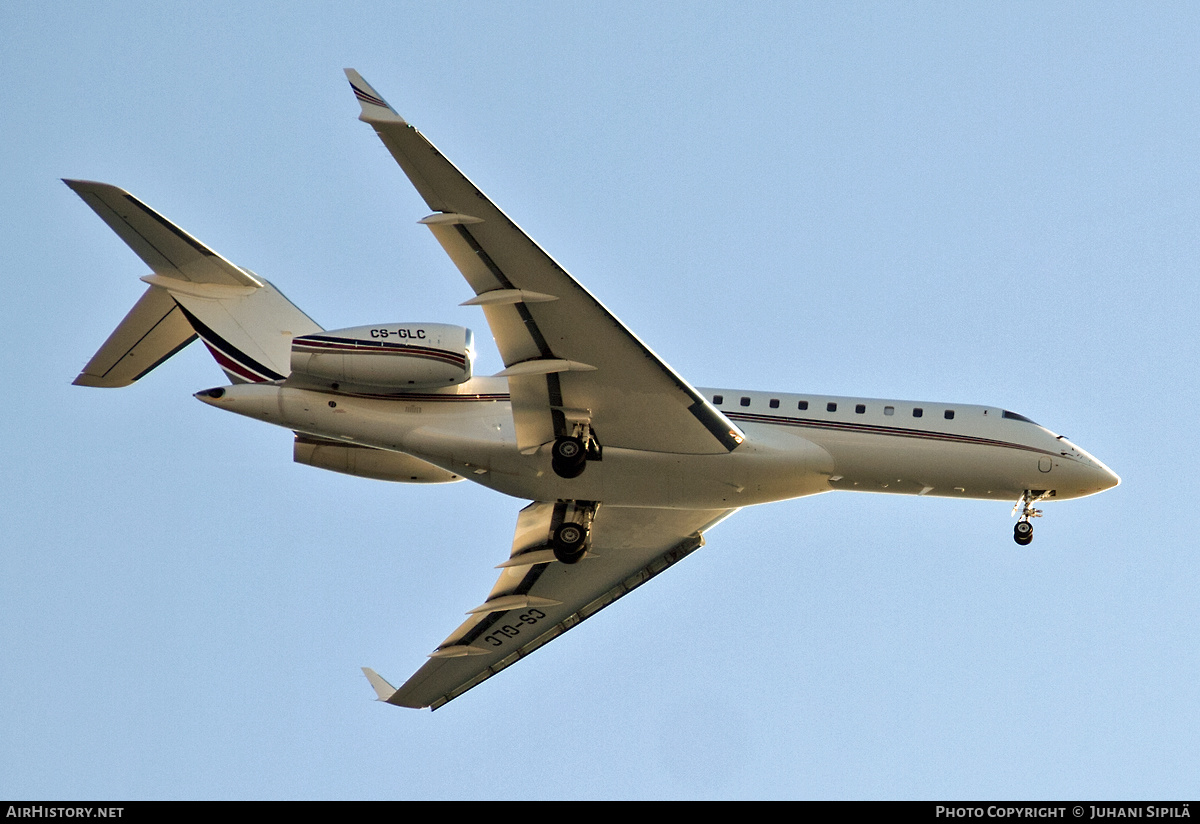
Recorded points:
233,366
875,429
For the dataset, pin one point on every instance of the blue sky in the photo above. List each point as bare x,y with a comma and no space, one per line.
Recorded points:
970,203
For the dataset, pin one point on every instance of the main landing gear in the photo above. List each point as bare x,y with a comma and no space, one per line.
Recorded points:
568,457
569,540
1023,531
570,453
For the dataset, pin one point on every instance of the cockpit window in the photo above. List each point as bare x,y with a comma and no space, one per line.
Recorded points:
1014,416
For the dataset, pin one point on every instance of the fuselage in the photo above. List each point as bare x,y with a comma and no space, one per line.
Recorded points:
795,445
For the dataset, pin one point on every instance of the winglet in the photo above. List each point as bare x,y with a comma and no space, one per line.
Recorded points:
382,688
374,107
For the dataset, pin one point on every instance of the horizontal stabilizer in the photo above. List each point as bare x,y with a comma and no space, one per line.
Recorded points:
153,331
165,248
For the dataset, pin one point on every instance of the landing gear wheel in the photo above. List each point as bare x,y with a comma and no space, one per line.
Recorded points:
568,457
569,542
1023,531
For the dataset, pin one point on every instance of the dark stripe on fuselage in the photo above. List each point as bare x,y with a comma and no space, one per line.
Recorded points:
324,344
747,417
217,343
876,429
232,368
399,395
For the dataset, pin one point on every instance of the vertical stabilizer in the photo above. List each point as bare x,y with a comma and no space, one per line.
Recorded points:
245,322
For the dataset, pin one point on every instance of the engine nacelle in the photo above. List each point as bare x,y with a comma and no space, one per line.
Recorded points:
396,356
366,462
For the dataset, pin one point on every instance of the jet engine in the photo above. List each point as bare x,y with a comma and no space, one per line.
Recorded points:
396,356
367,462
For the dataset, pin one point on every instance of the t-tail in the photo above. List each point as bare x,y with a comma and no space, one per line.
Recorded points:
245,322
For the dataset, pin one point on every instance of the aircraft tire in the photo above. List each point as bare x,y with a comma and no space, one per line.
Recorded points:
570,541
568,457
567,558
1023,533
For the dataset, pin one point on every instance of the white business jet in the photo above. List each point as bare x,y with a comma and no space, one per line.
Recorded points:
625,462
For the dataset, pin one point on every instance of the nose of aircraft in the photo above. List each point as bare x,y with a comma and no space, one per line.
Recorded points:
1106,478
1092,476
1081,473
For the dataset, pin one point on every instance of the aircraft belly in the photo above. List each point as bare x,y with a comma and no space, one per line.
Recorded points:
636,478
908,467
476,440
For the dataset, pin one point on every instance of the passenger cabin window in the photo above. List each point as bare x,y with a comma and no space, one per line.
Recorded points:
718,399
860,408
949,414
889,410
774,403
918,411
831,407
744,401
802,405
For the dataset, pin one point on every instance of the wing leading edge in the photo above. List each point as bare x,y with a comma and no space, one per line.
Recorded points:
536,599
567,357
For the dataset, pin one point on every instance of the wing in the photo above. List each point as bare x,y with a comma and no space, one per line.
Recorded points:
567,358
537,599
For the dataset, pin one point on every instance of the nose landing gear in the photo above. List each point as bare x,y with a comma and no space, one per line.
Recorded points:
1023,531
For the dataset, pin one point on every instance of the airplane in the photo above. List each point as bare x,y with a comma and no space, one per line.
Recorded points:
625,464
